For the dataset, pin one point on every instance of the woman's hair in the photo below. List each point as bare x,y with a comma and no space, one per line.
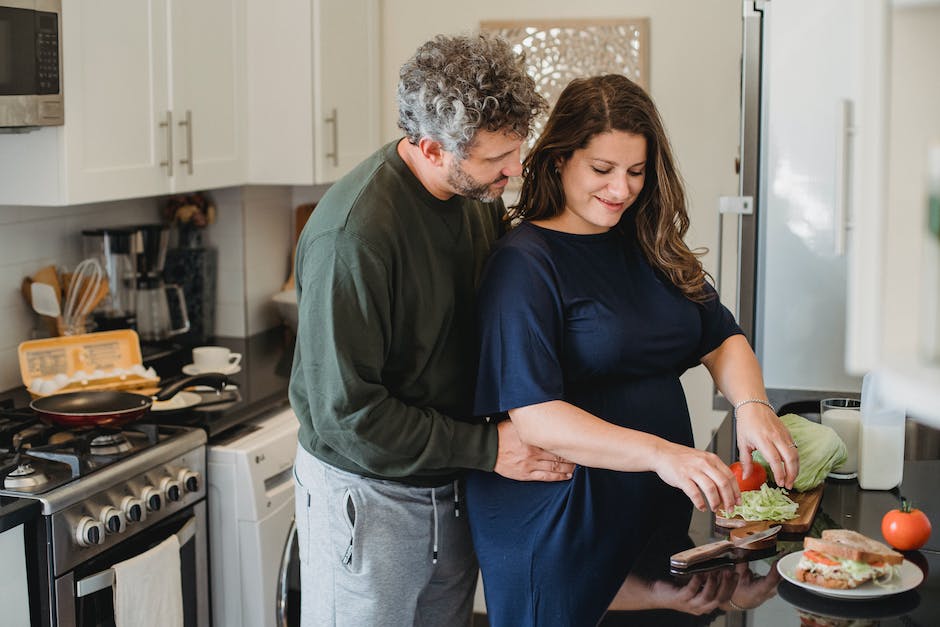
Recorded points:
454,86
586,108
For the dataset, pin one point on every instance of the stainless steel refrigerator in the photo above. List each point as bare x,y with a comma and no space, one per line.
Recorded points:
810,140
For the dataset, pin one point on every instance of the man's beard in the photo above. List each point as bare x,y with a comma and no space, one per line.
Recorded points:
466,185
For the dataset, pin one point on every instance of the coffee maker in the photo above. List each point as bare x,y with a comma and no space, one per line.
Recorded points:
153,296
115,249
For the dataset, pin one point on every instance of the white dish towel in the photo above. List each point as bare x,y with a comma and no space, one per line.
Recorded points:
148,588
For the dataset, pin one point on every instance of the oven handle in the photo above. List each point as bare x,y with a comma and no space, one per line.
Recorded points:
105,579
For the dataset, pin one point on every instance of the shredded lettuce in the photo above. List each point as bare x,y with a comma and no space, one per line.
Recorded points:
820,450
764,504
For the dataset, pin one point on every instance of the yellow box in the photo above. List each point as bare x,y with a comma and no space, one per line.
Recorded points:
102,353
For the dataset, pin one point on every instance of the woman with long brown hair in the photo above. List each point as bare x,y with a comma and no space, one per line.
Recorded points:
590,309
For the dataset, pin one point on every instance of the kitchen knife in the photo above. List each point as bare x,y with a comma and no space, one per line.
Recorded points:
687,558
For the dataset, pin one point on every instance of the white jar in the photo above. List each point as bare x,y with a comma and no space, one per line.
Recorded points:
880,440
881,450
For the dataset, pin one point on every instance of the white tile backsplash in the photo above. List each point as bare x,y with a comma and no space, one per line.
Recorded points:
252,233
33,237
268,228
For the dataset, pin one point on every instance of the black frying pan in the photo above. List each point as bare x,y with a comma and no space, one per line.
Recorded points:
84,410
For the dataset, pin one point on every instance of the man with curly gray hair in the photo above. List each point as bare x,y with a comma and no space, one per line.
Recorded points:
384,361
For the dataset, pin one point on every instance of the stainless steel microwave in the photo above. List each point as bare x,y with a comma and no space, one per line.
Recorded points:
31,64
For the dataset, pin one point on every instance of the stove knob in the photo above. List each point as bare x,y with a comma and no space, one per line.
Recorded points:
190,479
152,497
134,509
89,531
172,489
112,518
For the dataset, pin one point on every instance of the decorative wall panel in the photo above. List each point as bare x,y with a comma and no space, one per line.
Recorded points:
560,50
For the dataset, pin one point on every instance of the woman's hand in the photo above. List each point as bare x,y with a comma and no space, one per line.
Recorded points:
704,478
760,429
701,594
753,589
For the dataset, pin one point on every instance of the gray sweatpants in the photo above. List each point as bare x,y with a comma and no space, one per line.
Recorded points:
367,551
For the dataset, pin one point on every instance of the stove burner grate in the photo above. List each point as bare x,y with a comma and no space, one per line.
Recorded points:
109,444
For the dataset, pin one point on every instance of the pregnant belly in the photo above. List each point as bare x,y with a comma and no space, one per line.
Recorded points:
655,405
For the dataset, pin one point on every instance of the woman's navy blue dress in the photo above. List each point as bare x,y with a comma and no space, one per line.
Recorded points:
585,319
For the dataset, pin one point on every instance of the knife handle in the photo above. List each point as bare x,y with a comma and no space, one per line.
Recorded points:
686,558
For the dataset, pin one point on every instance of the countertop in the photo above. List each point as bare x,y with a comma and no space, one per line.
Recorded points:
14,512
262,381
753,594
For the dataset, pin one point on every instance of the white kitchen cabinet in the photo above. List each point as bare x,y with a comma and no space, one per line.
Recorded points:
313,72
346,79
153,97
904,341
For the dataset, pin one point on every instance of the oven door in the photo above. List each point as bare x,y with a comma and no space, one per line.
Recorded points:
85,598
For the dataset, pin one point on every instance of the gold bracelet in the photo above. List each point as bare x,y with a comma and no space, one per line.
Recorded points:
741,404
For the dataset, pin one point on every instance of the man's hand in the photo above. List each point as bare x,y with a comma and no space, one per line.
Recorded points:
517,460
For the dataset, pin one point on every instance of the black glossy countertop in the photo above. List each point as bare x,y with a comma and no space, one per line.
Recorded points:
753,594
14,512
261,382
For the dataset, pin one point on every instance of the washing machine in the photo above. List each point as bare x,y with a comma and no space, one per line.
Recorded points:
251,511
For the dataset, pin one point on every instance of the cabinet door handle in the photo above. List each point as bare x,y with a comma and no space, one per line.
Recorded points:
168,125
188,123
333,119
842,220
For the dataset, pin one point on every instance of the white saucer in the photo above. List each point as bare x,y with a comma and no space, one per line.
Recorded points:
191,369
181,400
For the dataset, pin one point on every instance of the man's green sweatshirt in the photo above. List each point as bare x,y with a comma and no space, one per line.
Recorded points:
386,353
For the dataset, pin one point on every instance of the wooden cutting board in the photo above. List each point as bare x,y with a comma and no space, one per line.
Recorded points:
808,505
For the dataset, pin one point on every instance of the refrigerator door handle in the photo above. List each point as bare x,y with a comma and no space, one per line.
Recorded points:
841,221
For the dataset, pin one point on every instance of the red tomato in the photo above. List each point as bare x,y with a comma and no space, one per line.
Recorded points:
906,528
754,481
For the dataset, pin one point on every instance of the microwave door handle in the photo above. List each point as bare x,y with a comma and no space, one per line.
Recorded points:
105,579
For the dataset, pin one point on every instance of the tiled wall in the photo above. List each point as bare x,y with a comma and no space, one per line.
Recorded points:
33,237
253,235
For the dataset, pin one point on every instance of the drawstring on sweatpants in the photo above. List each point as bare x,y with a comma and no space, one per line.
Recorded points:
456,499
434,507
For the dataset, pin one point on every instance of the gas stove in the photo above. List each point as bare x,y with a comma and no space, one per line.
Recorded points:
99,487
37,458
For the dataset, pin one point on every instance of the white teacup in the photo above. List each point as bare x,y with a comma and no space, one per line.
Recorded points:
215,358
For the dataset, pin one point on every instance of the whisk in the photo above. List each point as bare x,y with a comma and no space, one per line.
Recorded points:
81,295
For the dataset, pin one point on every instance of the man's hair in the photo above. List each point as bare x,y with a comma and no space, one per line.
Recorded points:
454,86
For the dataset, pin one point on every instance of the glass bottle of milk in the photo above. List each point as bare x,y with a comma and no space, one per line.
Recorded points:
881,440
842,416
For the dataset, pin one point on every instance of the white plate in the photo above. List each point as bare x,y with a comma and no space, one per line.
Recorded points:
180,400
911,576
191,369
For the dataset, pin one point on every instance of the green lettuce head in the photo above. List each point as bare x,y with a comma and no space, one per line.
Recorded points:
821,450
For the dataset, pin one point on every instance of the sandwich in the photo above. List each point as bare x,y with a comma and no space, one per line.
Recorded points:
815,620
845,559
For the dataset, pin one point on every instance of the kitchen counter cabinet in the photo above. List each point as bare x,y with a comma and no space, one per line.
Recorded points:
14,590
154,93
844,504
